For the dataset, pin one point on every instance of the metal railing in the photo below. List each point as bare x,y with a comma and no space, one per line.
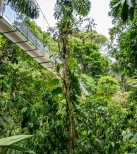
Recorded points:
20,22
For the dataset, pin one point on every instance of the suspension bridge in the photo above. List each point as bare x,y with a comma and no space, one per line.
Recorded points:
15,27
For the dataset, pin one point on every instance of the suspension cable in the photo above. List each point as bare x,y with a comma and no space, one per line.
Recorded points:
43,14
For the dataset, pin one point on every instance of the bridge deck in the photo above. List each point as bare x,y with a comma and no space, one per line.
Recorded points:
14,26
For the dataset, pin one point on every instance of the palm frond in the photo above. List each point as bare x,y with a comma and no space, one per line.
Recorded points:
124,7
27,7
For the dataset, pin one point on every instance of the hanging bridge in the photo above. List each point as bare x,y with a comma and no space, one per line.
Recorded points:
15,27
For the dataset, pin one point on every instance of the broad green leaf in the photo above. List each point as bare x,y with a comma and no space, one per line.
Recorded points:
124,14
24,110
72,63
99,141
123,1
117,4
135,138
75,84
1,76
7,82
116,8
57,90
130,3
127,136
53,82
7,141
133,151
24,6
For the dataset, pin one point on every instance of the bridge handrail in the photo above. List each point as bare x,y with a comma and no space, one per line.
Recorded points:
18,21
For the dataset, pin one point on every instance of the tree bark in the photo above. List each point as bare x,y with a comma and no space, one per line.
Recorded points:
67,92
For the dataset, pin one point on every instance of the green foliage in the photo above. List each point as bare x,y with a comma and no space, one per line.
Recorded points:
107,86
8,143
88,58
125,50
4,142
89,83
90,36
29,8
68,8
101,130
75,85
123,8
28,103
133,95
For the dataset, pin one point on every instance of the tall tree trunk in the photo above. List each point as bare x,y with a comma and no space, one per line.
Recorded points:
68,92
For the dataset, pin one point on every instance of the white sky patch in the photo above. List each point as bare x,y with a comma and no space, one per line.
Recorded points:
99,12
47,6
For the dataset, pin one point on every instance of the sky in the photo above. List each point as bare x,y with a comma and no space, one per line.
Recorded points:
99,12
